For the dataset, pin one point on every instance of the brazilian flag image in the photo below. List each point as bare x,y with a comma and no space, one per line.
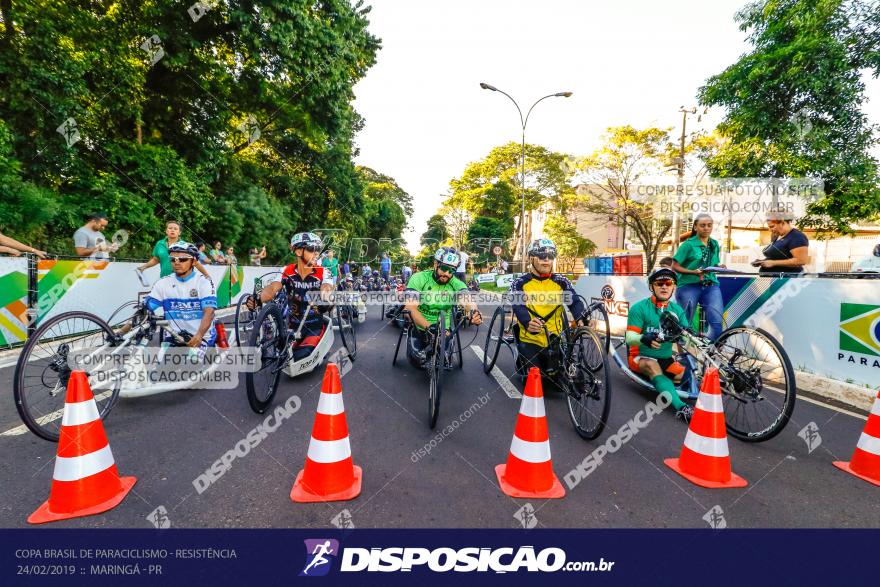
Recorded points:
860,328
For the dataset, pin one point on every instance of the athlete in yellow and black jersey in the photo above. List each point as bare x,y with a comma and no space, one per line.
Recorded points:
538,298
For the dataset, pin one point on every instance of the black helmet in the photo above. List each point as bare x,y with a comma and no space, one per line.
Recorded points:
186,248
662,272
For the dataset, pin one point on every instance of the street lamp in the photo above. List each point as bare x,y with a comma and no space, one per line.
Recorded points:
523,122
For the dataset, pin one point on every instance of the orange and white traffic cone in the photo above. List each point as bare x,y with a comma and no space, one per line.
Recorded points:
329,473
529,470
705,458
865,463
85,481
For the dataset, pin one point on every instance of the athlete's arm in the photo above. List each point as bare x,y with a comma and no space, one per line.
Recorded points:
412,306
204,326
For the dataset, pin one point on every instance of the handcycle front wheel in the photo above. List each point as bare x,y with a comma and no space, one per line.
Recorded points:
42,371
758,383
494,339
269,335
435,371
601,326
244,320
345,318
589,389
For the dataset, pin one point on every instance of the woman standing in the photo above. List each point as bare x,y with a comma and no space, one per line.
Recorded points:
696,285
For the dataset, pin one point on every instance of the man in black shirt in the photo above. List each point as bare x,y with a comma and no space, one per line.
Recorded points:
788,250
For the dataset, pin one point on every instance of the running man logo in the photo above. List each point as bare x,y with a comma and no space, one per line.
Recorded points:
320,554
860,329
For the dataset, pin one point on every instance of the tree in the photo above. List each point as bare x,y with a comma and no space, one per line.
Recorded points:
611,177
436,232
794,103
491,187
571,247
243,111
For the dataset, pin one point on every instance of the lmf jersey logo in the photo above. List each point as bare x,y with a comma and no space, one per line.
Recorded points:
320,554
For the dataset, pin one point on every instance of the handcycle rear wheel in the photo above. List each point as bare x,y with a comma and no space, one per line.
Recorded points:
599,323
753,363
494,339
269,335
42,371
589,390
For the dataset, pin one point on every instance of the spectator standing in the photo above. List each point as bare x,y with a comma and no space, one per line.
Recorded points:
332,263
789,248
366,271
203,256
405,273
160,255
346,268
12,247
257,256
89,241
230,256
385,266
217,255
461,272
696,286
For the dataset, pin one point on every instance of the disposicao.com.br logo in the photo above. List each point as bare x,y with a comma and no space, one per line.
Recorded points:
441,560
320,554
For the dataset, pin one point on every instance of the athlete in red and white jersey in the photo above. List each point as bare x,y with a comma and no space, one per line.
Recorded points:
299,280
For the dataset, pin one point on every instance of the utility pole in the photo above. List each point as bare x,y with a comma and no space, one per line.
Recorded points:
676,212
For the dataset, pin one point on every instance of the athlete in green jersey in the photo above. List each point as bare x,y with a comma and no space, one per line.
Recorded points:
432,291
648,356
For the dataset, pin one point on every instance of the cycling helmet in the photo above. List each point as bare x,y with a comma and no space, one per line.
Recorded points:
542,245
448,256
375,273
308,240
183,247
662,272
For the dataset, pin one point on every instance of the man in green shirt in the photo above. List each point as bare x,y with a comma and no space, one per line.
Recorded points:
160,254
332,264
433,291
648,356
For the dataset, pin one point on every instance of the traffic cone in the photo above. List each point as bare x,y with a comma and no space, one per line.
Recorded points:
85,481
529,470
865,463
329,474
705,458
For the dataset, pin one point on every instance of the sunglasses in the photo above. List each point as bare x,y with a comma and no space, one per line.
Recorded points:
545,256
446,269
311,248
664,282
180,259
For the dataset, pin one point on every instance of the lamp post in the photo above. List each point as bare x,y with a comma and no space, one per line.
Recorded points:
523,123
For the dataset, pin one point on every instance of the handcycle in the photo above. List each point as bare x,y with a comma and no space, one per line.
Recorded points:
578,358
757,379
442,353
276,344
44,365
244,316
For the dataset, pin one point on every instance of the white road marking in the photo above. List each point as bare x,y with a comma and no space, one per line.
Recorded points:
19,430
508,387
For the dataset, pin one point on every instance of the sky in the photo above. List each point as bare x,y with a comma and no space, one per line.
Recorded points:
628,62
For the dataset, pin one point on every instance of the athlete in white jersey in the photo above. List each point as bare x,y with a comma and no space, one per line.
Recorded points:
187,297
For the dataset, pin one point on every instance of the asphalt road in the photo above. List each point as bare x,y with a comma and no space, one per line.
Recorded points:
168,440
